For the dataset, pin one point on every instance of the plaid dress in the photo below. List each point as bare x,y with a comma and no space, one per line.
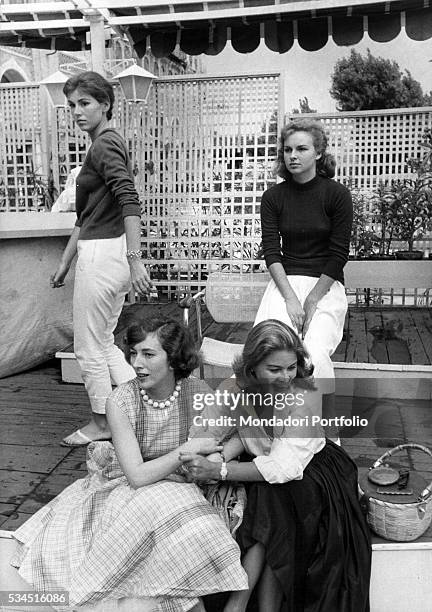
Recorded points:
102,541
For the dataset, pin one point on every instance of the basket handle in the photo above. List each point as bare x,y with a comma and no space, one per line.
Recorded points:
428,490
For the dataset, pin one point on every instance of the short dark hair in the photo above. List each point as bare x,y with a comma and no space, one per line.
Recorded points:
93,84
176,340
262,340
325,165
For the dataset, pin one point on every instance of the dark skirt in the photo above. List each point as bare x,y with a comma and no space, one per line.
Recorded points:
316,538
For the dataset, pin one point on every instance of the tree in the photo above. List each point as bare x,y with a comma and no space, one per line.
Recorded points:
370,83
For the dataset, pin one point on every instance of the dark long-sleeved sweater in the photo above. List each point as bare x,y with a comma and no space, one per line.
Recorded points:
105,191
307,227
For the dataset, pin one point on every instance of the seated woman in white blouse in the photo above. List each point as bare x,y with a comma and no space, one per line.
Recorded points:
304,538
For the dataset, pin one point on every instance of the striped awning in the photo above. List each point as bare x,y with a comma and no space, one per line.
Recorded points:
205,26
44,25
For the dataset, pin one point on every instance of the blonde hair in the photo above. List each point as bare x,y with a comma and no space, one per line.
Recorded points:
265,338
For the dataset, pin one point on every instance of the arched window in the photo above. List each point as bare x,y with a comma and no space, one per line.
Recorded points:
12,76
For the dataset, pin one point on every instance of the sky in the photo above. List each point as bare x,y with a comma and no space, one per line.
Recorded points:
309,73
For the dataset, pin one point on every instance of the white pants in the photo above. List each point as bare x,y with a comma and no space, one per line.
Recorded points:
326,328
102,279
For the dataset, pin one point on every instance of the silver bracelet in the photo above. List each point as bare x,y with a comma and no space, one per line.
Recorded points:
223,471
134,254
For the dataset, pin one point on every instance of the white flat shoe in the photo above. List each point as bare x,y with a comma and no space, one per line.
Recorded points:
78,438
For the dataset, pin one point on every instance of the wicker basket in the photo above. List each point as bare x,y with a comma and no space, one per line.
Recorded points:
402,522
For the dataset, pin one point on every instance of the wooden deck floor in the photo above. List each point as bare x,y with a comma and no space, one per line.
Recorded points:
393,335
37,410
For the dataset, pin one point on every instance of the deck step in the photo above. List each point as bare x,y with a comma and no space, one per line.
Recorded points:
70,369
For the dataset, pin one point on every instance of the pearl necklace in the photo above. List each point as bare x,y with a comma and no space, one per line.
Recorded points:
163,404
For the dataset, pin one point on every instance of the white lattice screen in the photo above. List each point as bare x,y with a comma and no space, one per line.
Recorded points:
213,150
21,158
69,145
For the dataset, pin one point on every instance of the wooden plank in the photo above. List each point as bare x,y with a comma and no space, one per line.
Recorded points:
423,321
50,488
75,460
6,511
40,434
12,523
377,351
341,350
33,458
16,485
396,327
409,332
357,344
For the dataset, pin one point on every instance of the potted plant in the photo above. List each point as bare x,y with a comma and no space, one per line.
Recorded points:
412,201
413,212
384,211
364,242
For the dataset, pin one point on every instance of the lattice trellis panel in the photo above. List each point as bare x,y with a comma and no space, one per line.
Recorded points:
69,146
214,147
373,146
21,162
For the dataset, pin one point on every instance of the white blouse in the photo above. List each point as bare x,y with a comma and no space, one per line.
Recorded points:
282,459
295,439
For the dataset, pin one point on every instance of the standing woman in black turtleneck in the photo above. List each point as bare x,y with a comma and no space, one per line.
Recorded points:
306,226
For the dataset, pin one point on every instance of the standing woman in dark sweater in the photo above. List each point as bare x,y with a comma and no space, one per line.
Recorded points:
306,226
107,237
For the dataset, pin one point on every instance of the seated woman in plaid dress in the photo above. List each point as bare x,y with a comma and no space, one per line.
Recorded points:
134,535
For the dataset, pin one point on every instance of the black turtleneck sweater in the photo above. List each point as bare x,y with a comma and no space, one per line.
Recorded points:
307,227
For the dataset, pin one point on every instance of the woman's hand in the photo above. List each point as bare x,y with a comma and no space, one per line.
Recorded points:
140,278
198,467
215,457
295,312
201,446
57,279
310,306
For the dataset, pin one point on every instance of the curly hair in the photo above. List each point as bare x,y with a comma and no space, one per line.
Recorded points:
175,339
325,165
93,84
266,338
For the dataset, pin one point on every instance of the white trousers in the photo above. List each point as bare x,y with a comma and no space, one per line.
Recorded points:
325,330
102,279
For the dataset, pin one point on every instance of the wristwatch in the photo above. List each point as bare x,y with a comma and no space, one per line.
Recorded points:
223,470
